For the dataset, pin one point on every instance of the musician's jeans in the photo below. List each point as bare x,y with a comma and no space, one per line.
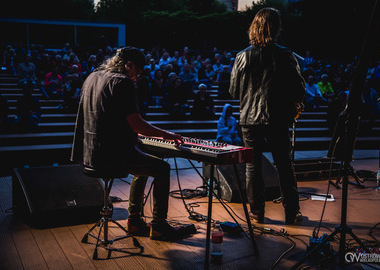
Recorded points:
276,137
142,167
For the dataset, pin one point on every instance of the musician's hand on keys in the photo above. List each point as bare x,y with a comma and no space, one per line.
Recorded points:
175,137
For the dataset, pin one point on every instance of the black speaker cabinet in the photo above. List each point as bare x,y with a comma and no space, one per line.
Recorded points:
227,187
56,196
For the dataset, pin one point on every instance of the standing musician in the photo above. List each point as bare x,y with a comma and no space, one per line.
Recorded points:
107,125
266,79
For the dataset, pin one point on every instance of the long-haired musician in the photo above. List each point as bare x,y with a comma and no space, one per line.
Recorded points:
107,125
267,80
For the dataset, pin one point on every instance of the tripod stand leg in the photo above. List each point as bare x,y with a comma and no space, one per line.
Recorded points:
209,212
338,178
355,176
244,202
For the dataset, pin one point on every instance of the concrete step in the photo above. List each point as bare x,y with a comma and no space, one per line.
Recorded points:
43,102
17,95
16,91
9,79
30,139
8,84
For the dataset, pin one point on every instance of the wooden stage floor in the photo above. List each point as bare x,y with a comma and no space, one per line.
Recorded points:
22,247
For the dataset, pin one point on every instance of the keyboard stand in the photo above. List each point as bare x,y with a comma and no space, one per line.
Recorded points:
211,193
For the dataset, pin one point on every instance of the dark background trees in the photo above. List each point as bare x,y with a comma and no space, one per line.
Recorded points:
328,28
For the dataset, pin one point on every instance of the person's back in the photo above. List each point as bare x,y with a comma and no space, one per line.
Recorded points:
267,79
105,136
105,101
27,70
265,100
203,106
28,110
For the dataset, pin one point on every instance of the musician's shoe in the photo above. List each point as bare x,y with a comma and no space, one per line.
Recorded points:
291,219
137,226
164,231
257,216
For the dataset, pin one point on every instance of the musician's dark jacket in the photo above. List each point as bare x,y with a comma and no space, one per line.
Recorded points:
268,83
102,136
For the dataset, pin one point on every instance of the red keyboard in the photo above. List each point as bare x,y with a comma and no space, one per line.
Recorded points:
197,149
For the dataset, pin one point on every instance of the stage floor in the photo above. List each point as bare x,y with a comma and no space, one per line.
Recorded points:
23,247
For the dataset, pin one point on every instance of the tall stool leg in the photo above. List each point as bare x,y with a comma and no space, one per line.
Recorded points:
103,224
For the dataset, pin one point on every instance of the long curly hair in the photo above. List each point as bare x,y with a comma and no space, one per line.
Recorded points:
265,27
114,64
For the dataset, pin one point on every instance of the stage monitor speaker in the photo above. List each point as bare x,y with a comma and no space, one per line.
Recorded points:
227,188
56,196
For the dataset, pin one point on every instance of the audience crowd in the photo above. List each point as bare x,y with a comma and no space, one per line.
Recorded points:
169,80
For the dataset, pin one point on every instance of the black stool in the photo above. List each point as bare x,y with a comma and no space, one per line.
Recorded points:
107,175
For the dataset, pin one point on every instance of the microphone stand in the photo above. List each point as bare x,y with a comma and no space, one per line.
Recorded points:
351,115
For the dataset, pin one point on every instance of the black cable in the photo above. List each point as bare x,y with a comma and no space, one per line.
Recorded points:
180,189
284,253
187,193
281,233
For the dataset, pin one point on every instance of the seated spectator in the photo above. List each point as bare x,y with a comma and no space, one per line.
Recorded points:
66,50
203,107
152,67
100,57
228,127
308,71
171,79
188,78
309,59
177,100
218,66
167,70
313,97
57,61
206,74
109,52
44,66
158,88
27,72
71,90
198,62
75,61
326,89
164,60
175,57
28,110
53,83
223,81
64,68
89,66
181,62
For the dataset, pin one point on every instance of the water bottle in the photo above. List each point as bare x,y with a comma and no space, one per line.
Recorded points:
378,180
217,243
